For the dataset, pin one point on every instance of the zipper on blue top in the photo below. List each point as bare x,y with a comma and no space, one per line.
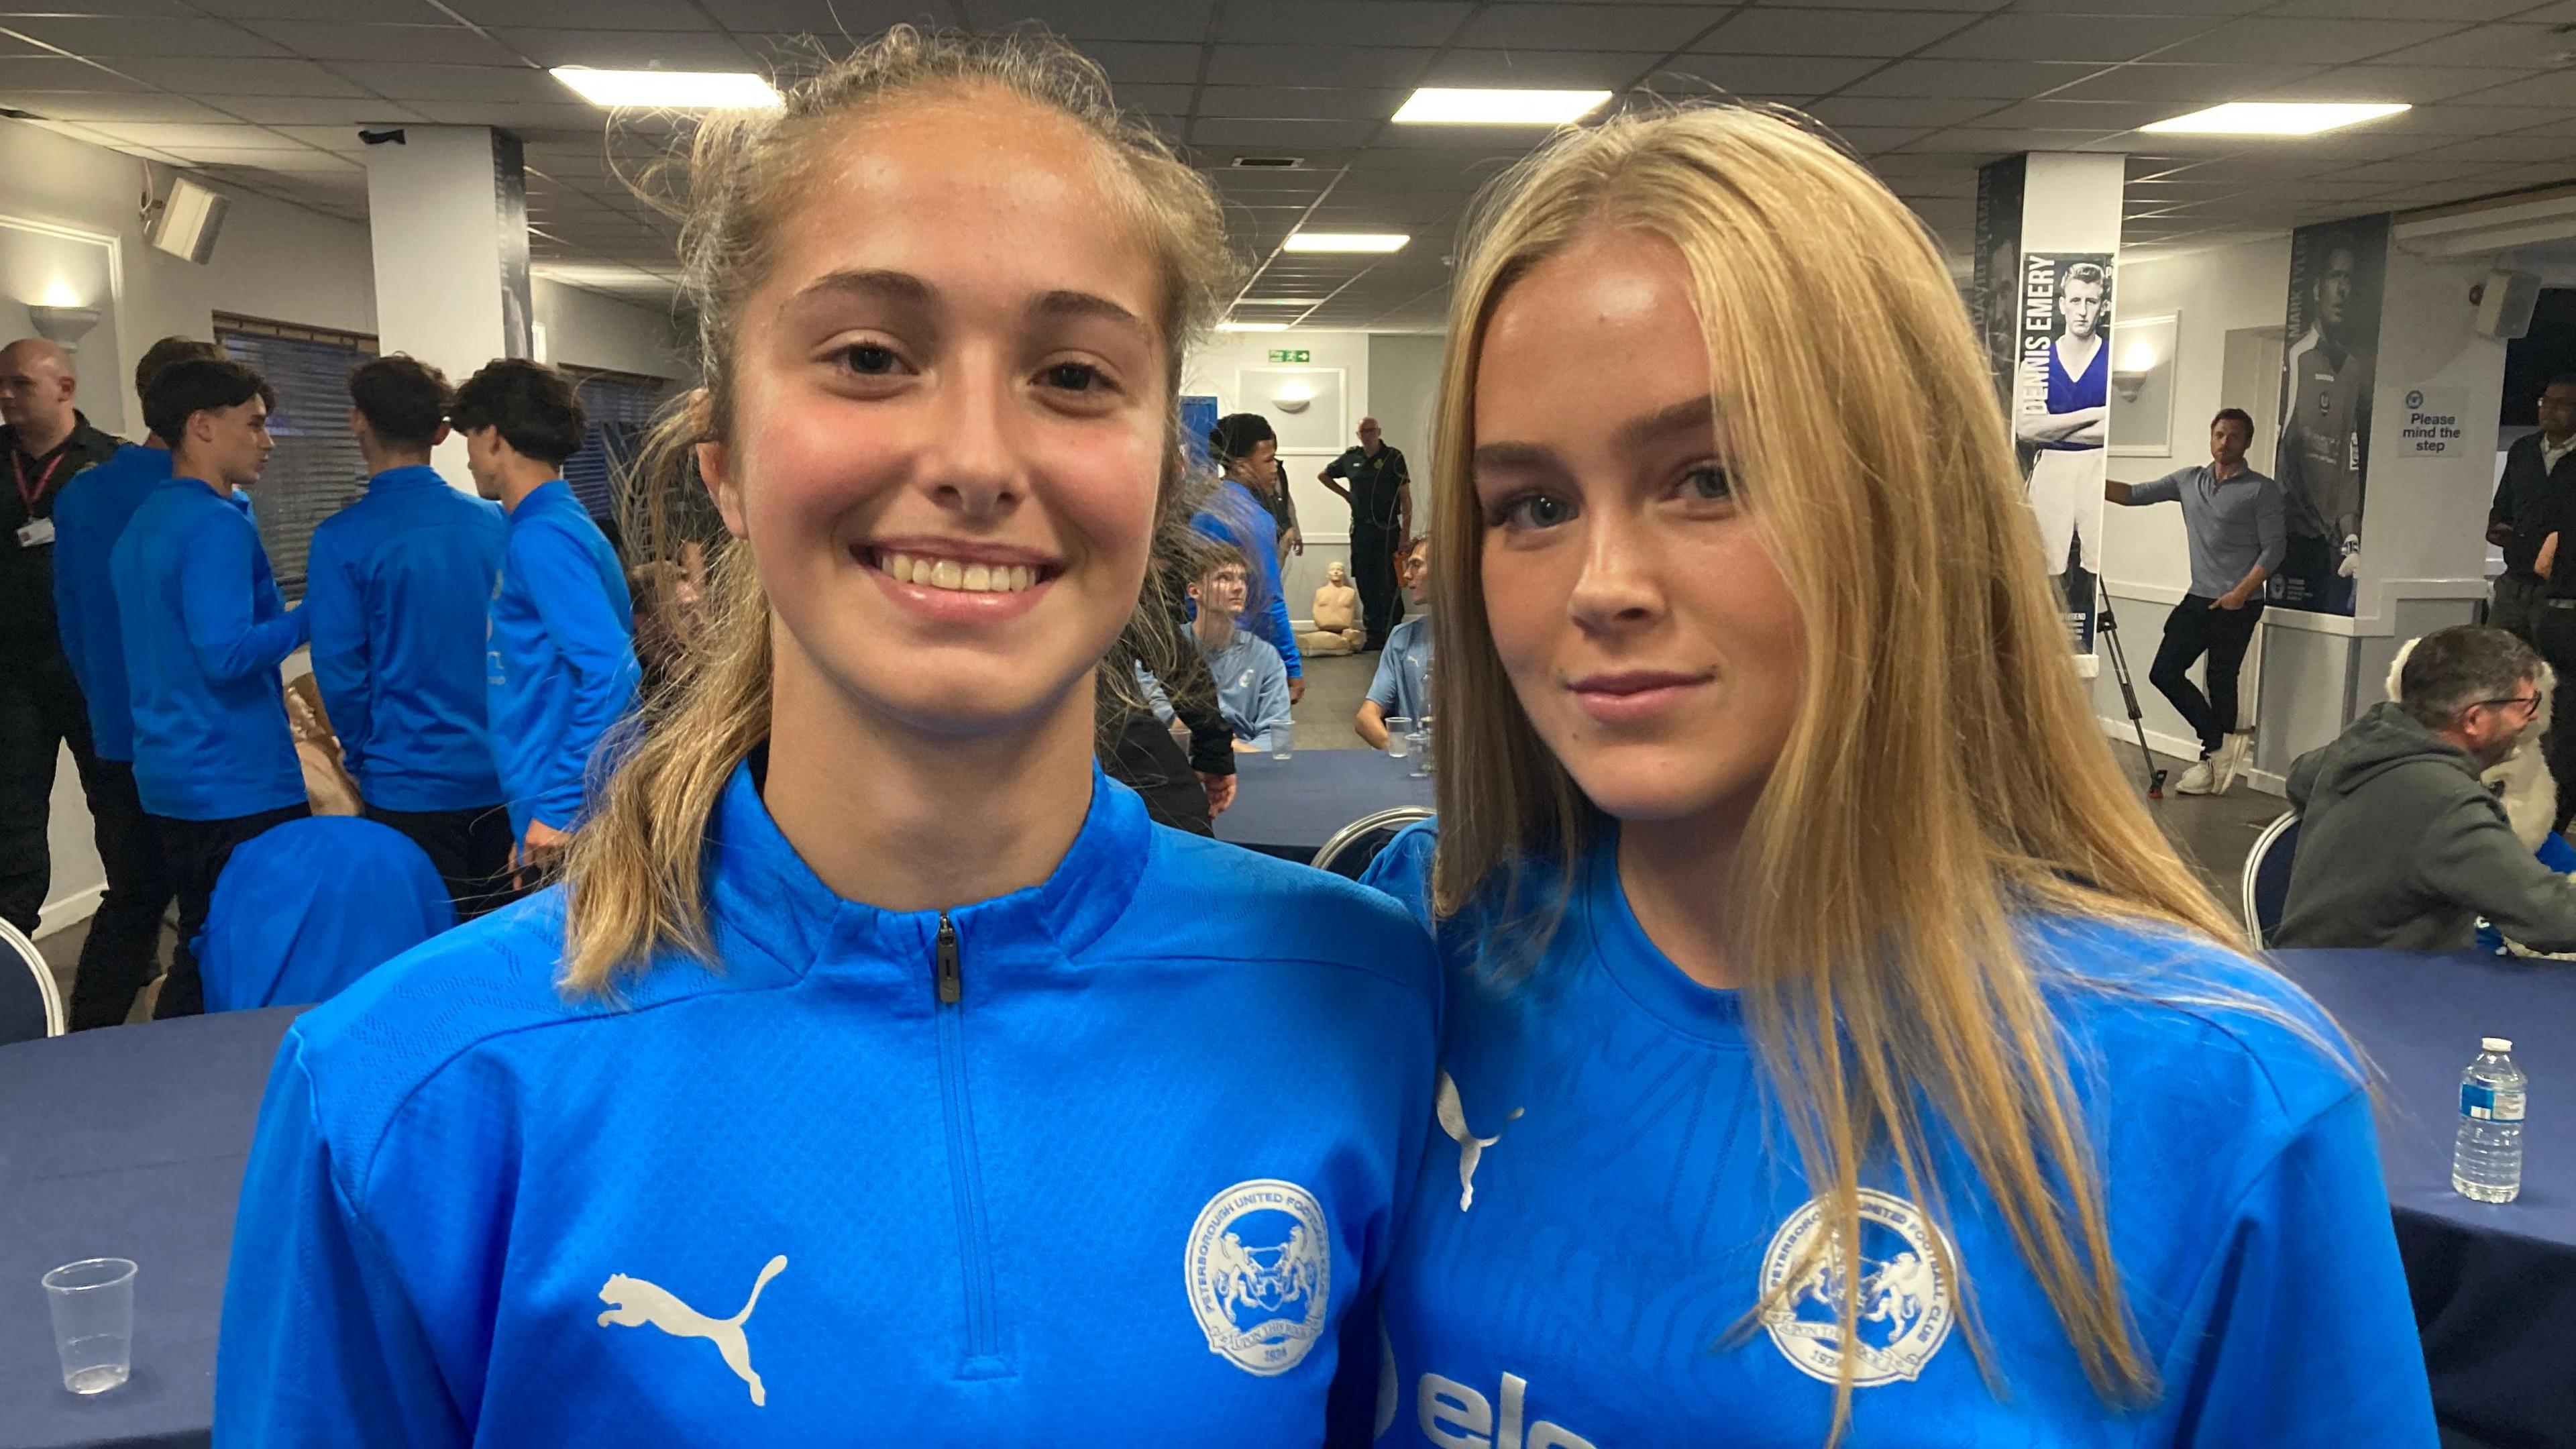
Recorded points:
965,1176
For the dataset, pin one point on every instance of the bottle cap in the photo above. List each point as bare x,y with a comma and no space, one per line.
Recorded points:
2495,1044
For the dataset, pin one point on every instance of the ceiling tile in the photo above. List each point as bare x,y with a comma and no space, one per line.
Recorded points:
399,12
1300,101
1139,61
240,77
1799,76
445,44
1285,134
2056,115
1656,29
1075,20
301,159
2413,84
1353,22
2315,41
354,110
170,136
590,14
2096,38
455,82
2188,87
1765,30
2556,89
1383,65
2008,80
2527,47
112,106
1894,111
627,49
578,116
106,38
59,73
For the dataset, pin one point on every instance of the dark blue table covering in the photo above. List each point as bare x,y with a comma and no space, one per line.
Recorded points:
1289,808
125,1143
2494,1284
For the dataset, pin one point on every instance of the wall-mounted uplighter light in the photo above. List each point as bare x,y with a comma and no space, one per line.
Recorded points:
1293,397
66,325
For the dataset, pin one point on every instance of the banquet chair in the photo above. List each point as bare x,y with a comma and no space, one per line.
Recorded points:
2267,876
1353,846
30,1004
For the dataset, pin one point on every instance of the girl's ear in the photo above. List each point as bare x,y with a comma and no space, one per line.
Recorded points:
715,466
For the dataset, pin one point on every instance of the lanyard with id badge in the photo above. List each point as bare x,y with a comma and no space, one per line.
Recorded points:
38,532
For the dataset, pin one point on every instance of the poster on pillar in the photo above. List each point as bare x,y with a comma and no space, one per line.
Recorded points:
2062,417
2337,274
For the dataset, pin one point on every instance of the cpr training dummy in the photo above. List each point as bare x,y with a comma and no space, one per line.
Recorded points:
1336,615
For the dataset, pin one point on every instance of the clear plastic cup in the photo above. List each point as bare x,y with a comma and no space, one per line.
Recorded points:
1283,745
1399,737
93,1305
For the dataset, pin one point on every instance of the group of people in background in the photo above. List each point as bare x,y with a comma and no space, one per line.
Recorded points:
471,653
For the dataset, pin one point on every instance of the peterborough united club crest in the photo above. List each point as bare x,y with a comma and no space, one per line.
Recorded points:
1905,1304
1260,1264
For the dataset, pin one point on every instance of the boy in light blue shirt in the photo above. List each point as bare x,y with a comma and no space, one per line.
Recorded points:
1251,679
1402,686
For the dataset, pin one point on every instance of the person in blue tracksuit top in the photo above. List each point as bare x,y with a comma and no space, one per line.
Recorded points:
1232,514
1809,1079
1401,687
878,1072
123,949
560,669
398,585
204,632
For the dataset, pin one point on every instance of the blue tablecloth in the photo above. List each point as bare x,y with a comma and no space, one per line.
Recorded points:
2494,1285
1289,808
126,1142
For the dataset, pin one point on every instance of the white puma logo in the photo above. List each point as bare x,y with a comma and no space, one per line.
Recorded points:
632,1301
1471,1148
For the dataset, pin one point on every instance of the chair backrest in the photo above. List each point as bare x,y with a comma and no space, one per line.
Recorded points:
1353,846
2267,876
30,1004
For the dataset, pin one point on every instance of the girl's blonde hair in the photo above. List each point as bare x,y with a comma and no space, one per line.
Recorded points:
633,876
1944,776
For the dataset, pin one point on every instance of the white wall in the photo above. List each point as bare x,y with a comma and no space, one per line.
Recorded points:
591,329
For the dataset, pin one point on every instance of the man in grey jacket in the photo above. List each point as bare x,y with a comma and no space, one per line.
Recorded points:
2400,845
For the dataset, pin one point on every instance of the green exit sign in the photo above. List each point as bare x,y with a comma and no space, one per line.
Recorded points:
1291,354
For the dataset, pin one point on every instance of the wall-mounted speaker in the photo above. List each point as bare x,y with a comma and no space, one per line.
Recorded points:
188,219
2505,301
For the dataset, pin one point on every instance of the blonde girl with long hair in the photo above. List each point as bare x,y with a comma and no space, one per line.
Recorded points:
1836,1051
879,1074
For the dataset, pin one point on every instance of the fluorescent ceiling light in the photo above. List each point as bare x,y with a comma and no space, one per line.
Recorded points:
1345,241
2275,118
676,90
1273,302
1252,327
1433,106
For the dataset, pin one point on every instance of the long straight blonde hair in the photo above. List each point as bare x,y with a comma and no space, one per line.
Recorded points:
1944,776
634,875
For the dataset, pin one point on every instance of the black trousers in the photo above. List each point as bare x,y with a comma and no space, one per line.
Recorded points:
1373,569
197,851
41,710
1143,756
123,951
469,848
2196,627
2554,635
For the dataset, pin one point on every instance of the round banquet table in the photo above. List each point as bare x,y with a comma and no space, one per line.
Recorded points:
1289,808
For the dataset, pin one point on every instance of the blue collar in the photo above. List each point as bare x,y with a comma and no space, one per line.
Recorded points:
412,475
546,498
1641,969
761,895
184,482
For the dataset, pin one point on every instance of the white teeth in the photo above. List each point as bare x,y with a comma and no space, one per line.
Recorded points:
950,574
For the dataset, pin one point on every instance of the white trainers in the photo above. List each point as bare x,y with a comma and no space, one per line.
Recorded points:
2233,760
2200,779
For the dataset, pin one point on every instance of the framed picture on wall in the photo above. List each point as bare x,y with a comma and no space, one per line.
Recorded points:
1304,405
2142,376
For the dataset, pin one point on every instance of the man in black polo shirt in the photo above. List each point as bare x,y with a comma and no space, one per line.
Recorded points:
1380,493
2538,469
41,709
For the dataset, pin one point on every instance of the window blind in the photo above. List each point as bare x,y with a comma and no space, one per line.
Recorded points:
316,469
620,408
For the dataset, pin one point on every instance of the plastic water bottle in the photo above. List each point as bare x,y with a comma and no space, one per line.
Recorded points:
2486,1161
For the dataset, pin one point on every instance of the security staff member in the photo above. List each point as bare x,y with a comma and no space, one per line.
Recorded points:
2536,474
1373,480
41,709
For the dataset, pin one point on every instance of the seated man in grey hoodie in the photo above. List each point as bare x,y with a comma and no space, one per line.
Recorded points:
2400,844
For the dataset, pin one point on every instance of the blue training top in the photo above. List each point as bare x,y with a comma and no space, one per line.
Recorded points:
1401,685
397,587
204,632
2067,393
561,667
89,516
1611,1196
307,907
1085,1164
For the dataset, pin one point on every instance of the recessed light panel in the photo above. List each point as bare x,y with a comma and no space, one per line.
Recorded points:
676,90
1345,241
2275,118
1433,106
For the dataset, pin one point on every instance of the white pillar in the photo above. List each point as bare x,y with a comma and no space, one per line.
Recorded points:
2048,221
448,214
